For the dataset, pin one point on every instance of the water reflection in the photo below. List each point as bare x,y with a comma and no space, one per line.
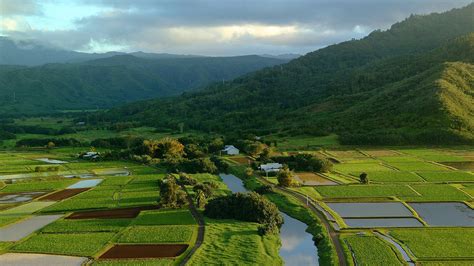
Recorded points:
297,246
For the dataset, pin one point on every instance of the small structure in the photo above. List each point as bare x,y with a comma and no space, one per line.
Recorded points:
230,150
81,123
271,167
91,155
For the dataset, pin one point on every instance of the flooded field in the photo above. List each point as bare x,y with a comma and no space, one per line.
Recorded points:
51,161
445,213
19,197
370,209
382,222
86,183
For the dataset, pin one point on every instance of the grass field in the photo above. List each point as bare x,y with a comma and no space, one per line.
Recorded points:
360,167
35,185
391,176
435,243
417,166
172,217
90,225
230,242
447,176
157,234
140,262
371,250
83,244
436,192
357,191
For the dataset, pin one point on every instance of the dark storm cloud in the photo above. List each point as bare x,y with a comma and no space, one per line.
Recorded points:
218,27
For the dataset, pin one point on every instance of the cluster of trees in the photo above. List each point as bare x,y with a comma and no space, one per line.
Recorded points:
250,207
305,162
50,142
173,196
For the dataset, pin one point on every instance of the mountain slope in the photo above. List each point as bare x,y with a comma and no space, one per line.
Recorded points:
315,93
110,81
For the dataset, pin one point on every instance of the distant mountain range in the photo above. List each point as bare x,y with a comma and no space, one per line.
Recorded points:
112,79
32,53
411,84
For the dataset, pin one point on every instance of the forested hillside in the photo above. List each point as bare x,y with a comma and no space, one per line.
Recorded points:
107,82
395,85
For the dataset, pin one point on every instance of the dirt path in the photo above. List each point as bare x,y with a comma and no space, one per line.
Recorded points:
312,206
201,229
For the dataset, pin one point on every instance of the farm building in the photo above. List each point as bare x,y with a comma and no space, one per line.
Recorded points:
230,150
270,167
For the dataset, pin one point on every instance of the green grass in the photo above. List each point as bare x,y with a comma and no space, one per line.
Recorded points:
391,176
417,166
436,192
401,159
86,244
371,250
116,180
447,176
357,191
360,167
230,242
157,234
305,142
8,219
81,204
27,208
38,185
175,217
432,243
139,198
88,225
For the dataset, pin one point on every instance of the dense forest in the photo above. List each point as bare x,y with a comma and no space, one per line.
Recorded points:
107,82
412,83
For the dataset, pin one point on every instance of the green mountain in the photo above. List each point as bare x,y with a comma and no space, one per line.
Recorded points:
103,83
393,86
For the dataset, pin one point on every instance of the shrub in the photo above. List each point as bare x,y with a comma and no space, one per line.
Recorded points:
285,178
250,207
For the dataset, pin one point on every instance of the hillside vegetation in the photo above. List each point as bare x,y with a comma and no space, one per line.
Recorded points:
409,84
107,82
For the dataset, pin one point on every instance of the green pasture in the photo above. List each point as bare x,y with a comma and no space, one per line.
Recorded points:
365,191
447,176
436,243
87,225
36,185
391,176
157,234
79,244
436,192
230,242
170,217
371,250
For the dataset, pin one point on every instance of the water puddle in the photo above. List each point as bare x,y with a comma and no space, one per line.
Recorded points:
445,213
370,209
382,222
297,246
19,197
86,183
52,161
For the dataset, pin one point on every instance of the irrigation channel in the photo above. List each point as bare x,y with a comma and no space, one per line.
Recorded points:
297,246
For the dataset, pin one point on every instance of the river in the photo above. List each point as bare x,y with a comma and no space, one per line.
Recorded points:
297,246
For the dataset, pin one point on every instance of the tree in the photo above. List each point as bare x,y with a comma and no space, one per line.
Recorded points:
250,207
363,178
50,145
170,193
285,177
265,155
248,172
200,199
216,145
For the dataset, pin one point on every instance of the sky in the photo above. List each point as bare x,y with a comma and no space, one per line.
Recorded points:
204,27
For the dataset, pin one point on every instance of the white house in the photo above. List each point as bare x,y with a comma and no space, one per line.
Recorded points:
271,167
91,155
230,150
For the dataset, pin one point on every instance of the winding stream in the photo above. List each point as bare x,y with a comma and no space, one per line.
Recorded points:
297,246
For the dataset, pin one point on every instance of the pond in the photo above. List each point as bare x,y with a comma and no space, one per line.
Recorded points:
382,222
297,246
445,213
370,209
52,161
86,183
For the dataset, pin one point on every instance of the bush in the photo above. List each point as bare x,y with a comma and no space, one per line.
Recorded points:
186,180
285,178
305,162
265,189
205,188
250,207
200,165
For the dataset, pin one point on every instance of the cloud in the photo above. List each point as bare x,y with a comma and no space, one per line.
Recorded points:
19,7
215,27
